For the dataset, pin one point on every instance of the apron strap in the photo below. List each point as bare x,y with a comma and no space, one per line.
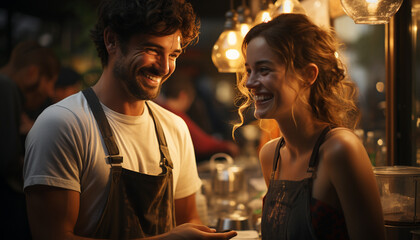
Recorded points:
102,122
313,162
109,139
163,146
280,144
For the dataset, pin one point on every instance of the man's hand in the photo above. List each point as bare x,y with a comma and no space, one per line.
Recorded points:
195,231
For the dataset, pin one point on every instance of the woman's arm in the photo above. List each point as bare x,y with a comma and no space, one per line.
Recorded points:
351,174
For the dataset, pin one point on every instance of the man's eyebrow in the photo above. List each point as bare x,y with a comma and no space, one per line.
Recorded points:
151,44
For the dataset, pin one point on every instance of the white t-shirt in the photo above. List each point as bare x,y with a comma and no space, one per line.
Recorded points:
65,149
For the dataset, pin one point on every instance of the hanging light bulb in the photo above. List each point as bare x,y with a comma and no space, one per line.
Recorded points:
371,11
318,12
286,6
263,15
244,18
226,54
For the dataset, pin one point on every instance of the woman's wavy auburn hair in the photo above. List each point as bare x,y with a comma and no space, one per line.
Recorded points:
155,17
297,42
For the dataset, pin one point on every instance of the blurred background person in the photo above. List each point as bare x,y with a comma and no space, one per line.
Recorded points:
178,94
68,83
26,81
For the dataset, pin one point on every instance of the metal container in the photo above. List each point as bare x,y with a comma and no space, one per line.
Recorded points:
399,188
226,177
233,222
227,187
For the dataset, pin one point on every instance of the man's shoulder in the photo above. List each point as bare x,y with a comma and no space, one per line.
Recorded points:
67,110
168,119
164,114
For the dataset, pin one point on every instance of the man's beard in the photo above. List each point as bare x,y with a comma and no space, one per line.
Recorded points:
131,85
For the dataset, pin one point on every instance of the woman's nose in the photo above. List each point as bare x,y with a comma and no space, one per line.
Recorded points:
251,81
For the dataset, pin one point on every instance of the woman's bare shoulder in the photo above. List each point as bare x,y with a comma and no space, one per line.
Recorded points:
269,147
343,152
341,141
266,156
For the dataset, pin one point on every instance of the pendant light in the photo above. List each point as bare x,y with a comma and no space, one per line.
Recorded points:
287,6
318,12
371,11
226,54
264,14
244,18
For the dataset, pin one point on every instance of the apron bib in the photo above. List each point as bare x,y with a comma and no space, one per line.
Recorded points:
138,205
286,210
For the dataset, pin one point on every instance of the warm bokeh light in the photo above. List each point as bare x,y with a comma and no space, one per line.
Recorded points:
226,54
262,16
287,6
232,54
380,87
244,27
232,38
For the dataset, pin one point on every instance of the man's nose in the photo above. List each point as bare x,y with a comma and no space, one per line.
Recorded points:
164,65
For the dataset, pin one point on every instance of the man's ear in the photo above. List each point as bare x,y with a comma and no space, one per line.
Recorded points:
310,73
110,40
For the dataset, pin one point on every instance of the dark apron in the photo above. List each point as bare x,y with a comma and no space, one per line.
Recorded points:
286,211
138,205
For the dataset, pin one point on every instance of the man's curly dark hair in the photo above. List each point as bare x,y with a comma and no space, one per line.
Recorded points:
155,17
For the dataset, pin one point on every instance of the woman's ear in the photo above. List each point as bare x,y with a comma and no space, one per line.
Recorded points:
110,40
310,73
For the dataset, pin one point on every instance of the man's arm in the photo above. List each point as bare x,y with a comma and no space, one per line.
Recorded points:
186,210
52,212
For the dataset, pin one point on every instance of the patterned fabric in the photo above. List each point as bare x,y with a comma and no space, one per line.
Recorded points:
328,223
286,213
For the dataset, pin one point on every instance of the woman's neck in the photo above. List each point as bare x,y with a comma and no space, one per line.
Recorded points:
301,131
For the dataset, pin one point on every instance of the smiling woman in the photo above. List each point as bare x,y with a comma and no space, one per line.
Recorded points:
336,104
294,77
273,88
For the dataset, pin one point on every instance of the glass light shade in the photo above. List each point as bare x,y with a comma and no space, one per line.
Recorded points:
244,19
262,16
371,11
244,29
226,54
318,12
287,6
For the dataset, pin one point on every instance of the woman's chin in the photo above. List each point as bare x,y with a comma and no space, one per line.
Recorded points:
259,115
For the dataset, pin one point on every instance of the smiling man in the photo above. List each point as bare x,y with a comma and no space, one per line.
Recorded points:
107,162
